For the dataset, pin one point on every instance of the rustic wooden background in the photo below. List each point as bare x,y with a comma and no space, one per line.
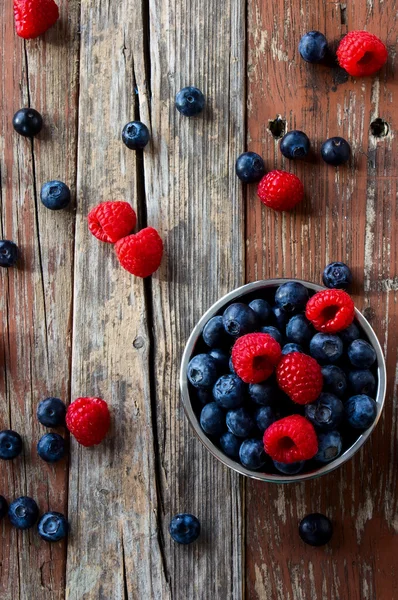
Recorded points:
73,323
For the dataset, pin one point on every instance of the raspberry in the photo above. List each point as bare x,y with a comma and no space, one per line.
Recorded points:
280,190
34,17
111,221
300,377
254,356
290,440
361,53
330,311
141,253
88,419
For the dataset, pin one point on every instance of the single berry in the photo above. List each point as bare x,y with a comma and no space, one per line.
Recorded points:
88,419
10,444
330,311
229,391
291,297
3,507
337,275
202,371
239,422
34,17
361,53
51,447
204,396
330,446
264,417
255,356
135,135
360,411
239,319
300,377
334,380
222,359
290,440
316,529
8,253
361,354
190,101
111,221
250,167
362,382
212,419
350,334
299,330
290,469
140,253
326,348
52,527
335,151
230,444
27,122
262,310
326,413
252,455
51,412
214,334
288,348
280,190
55,195
295,144
313,47
23,512
280,317
273,332
264,394
184,528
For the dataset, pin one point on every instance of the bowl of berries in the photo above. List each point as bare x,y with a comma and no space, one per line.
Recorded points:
283,380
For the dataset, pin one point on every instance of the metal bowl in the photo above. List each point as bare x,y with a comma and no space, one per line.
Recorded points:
239,293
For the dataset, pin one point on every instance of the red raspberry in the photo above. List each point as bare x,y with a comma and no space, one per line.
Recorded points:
34,17
361,53
280,190
330,311
141,253
300,377
111,221
254,356
88,419
291,439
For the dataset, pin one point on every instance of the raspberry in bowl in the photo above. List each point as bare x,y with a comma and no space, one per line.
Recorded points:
283,399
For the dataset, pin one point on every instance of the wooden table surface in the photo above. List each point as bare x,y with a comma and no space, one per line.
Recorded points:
74,323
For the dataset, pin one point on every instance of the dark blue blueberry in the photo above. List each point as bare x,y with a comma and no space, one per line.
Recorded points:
202,371
212,419
273,332
326,413
290,469
252,455
51,412
8,253
231,366
222,359
55,195
337,275
326,348
264,417
51,447
3,507
361,354
184,528
52,527
291,297
335,151
280,317
27,122
360,411
288,348
230,444
330,446
135,135
190,101
214,334
350,334
204,396
299,330
316,529
362,382
239,319
334,380
10,444
23,512
262,310
313,46
239,422
295,144
264,394
250,167
229,391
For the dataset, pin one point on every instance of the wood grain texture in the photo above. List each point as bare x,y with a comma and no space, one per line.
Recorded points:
349,214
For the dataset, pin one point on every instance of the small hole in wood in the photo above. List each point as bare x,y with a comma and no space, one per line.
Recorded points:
379,128
277,127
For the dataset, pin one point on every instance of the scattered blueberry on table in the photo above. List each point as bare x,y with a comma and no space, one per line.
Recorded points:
8,253
51,447
184,528
295,144
190,101
55,195
250,167
23,512
10,444
51,412
135,135
52,526
316,529
313,46
337,275
336,151
27,122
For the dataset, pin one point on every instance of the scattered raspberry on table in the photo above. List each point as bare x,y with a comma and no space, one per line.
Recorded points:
361,53
141,253
34,17
111,221
88,420
280,190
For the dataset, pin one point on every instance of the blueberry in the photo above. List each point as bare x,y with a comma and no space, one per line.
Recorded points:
3,507
313,46
288,348
362,382
337,275
55,195
330,446
335,151
51,447
264,417
212,419
231,366
184,528
52,527
299,330
239,319
23,512
250,167
280,317
8,253
27,122
326,413
202,371
295,144
360,411
273,332
361,354
214,334
222,359
229,391
290,469
264,394
316,529
239,422
10,444
252,455
135,135
230,444
326,348
334,380
51,412
262,310
291,297
350,334
190,101
204,396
